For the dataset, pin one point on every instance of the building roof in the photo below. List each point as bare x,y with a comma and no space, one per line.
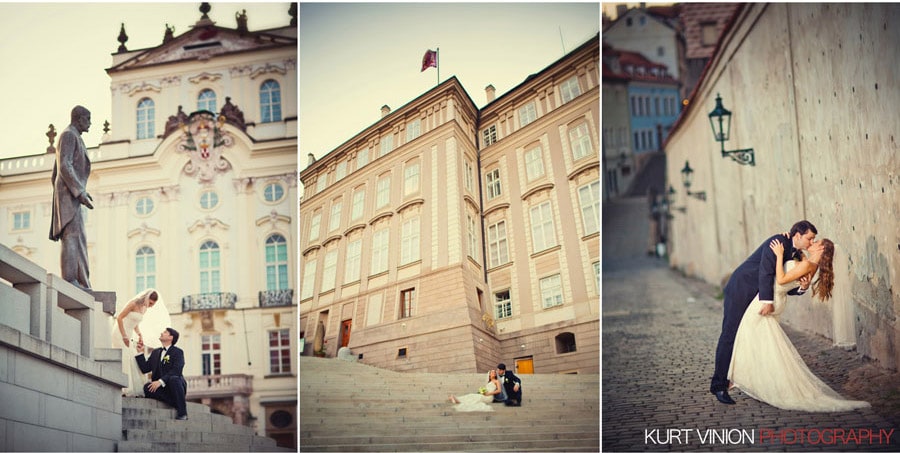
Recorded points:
633,66
205,40
694,16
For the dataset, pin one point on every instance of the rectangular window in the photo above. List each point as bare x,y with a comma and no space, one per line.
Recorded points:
387,144
309,280
340,171
335,220
354,252
362,158
543,233
276,263
534,163
569,89
21,220
551,291
497,245
469,181
589,195
407,302
473,237
493,184
597,276
383,191
359,204
329,270
413,130
211,355
580,141
314,226
489,135
656,106
634,106
145,269
380,252
502,305
409,241
280,351
320,183
637,143
411,179
527,114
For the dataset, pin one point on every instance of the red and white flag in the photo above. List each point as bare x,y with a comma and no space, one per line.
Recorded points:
429,60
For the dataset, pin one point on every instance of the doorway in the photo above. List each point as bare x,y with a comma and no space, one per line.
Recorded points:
345,332
525,365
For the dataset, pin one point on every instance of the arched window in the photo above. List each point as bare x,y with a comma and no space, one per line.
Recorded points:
144,269
210,273
207,100
145,116
276,263
270,101
565,342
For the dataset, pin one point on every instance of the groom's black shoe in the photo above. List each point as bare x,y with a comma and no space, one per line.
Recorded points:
722,396
181,417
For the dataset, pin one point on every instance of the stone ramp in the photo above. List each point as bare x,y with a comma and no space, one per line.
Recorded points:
150,425
348,406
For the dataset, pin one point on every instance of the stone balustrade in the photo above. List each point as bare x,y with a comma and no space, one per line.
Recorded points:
219,385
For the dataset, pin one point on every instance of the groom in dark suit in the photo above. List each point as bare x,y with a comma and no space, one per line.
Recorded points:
165,365
754,276
512,387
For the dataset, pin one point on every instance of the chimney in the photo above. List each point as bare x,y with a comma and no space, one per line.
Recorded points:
310,159
621,10
385,110
490,93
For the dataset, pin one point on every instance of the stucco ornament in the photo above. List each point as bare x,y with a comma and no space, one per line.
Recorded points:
204,142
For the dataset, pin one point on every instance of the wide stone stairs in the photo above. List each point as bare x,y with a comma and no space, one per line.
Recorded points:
150,425
347,406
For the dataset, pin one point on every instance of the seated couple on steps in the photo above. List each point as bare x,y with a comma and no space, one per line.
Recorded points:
503,387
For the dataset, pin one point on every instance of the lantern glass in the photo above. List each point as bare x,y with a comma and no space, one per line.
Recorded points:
720,121
687,175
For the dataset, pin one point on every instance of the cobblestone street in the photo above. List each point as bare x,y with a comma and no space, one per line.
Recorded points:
659,333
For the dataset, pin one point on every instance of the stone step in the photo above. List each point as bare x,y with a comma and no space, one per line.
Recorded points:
463,445
150,425
476,427
486,435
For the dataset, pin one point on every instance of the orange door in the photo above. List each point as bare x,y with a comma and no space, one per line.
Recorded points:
345,332
525,366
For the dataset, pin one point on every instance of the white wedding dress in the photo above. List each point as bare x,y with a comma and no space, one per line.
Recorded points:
136,379
766,366
476,402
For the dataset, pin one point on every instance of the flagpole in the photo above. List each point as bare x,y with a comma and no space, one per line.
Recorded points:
438,65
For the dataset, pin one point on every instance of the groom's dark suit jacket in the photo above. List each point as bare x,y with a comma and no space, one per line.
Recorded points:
168,370
757,274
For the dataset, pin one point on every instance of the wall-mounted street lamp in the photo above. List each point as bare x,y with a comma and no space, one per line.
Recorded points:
668,200
687,176
720,120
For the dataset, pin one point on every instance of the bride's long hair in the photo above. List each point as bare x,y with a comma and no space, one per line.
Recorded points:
825,283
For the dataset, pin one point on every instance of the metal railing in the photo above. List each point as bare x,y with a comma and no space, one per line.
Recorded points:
276,298
208,301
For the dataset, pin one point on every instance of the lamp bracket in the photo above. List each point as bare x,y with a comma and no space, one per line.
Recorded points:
741,156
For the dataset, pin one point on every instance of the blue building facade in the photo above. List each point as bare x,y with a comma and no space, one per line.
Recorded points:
653,107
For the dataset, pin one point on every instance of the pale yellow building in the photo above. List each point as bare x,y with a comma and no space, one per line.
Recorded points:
445,238
194,188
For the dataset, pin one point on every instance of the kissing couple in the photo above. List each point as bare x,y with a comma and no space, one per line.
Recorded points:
502,386
754,354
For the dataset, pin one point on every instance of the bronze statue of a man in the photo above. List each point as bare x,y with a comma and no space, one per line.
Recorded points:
69,178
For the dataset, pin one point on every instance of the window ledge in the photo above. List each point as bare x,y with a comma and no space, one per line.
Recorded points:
591,236
410,264
378,274
555,248
500,266
325,293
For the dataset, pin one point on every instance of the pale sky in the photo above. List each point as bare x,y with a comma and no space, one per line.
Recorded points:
354,58
54,57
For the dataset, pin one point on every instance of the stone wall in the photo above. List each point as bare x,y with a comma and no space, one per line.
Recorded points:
813,90
59,391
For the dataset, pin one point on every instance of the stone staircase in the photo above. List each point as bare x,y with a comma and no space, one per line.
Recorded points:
347,406
150,425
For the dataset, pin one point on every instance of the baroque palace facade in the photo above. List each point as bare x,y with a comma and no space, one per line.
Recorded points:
447,238
195,194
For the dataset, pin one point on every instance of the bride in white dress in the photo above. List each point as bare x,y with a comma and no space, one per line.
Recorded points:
765,365
478,402
126,334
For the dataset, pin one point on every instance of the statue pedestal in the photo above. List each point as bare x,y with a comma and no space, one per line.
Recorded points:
107,298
